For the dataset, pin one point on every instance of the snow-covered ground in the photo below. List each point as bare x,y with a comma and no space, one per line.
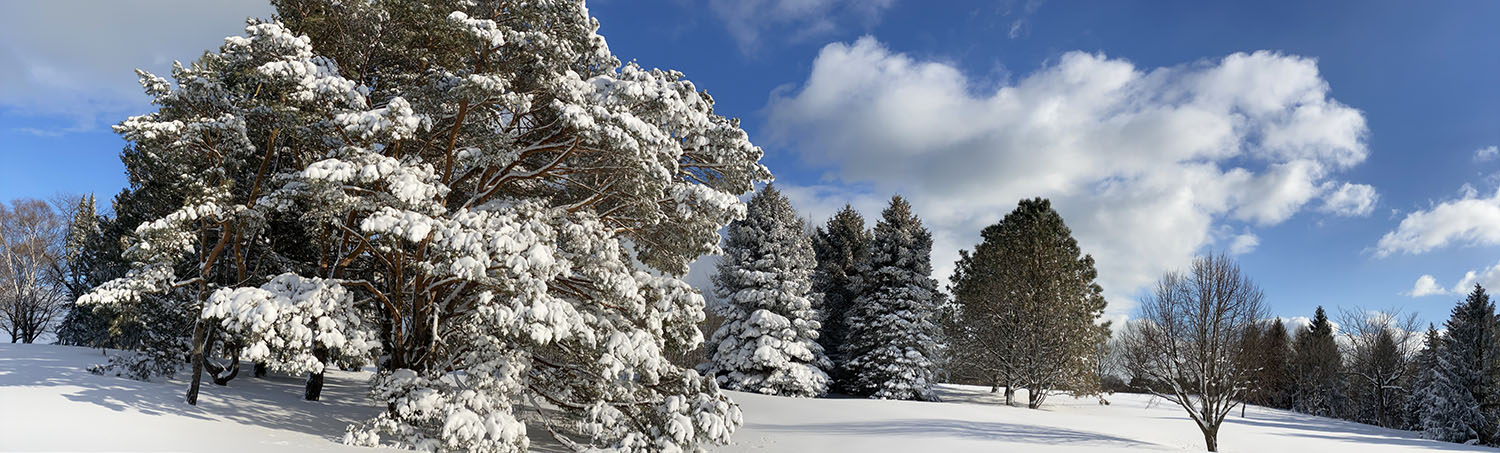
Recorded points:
49,403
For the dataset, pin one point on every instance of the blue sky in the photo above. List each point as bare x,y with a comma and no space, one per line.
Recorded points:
1343,162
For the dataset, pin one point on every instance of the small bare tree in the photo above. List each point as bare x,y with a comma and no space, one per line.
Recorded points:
31,243
1381,346
1191,331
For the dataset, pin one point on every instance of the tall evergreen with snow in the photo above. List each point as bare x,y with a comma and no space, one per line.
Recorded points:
81,326
892,346
1029,305
839,246
768,342
477,195
1316,364
1465,382
1441,409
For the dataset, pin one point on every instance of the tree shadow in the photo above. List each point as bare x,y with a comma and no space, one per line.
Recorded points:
272,402
1302,425
985,431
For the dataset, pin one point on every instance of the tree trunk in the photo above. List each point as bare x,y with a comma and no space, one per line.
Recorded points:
1034,397
314,390
1211,437
197,361
1010,395
260,369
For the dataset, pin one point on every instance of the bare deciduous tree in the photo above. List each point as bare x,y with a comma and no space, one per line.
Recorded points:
1380,347
1189,335
31,243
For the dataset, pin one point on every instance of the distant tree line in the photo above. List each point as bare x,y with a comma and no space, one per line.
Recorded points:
1373,367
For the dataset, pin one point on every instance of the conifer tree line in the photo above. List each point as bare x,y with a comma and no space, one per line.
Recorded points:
869,320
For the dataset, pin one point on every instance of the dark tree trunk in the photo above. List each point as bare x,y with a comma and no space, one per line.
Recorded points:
197,361
1034,395
1211,437
314,390
260,369
1010,395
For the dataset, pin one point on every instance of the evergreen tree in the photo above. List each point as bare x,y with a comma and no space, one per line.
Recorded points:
839,246
1275,376
1466,373
767,343
1439,409
1030,303
477,193
82,326
1316,365
892,346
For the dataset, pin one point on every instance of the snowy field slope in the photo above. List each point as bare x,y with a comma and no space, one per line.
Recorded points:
972,419
49,403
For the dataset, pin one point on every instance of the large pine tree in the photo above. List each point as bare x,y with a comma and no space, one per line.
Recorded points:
1316,363
892,344
1438,408
768,342
840,246
1467,370
478,190
1029,304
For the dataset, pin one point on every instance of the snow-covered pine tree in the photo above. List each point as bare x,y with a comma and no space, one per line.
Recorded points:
1028,297
839,246
480,188
1317,385
768,342
1438,408
81,326
1467,365
892,345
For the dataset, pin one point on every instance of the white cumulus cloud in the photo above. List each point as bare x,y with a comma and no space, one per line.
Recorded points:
1469,220
1145,164
1350,200
1427,285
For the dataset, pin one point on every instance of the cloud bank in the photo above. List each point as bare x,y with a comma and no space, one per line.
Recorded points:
1145,164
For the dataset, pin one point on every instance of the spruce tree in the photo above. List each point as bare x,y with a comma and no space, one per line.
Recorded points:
1316,363
1275,359
768,342
892,346
1030,303
839,246
1467,367
1440,409
81,326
